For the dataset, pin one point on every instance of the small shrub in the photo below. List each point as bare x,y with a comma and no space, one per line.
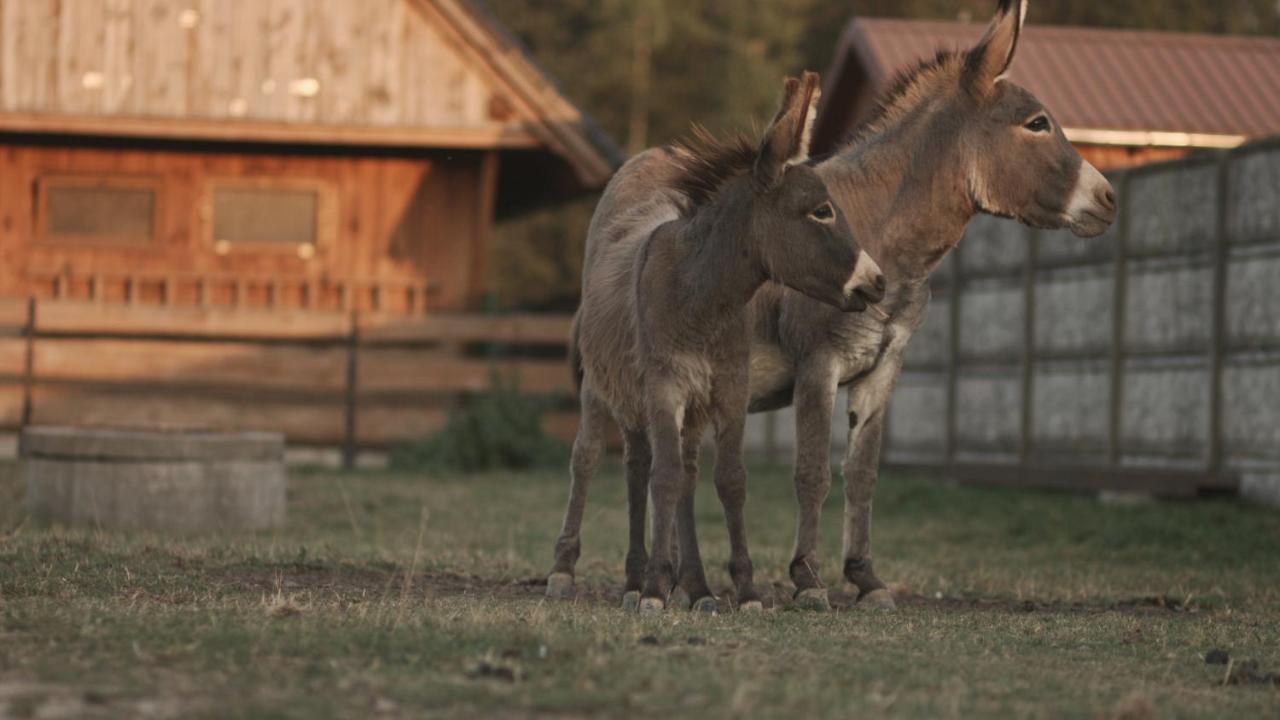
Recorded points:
496,430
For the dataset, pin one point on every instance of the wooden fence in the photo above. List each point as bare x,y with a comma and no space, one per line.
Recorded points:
327,379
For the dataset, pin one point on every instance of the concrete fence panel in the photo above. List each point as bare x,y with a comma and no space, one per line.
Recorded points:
991,319
1169,305
1173,210
1255,211
1073,310
1166,412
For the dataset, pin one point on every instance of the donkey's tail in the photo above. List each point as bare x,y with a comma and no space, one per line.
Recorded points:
575,358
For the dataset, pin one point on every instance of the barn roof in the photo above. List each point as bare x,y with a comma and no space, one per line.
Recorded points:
1119,87
389,73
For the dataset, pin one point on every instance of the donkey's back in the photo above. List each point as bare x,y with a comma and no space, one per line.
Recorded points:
639,199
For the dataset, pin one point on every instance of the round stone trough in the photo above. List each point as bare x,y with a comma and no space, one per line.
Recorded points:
173,482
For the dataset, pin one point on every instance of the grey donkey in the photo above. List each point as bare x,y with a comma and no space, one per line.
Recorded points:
662,334
954,138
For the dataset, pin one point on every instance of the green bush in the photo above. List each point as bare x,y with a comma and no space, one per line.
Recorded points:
496,430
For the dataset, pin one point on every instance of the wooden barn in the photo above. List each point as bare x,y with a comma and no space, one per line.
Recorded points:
249,215
1123,97
315,154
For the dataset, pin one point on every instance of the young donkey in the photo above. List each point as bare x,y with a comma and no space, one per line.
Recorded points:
953,139
662,332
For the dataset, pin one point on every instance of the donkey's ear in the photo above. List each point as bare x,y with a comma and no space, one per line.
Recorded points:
990,59
786,142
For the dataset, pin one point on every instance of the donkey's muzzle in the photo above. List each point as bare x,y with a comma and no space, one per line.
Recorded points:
866,286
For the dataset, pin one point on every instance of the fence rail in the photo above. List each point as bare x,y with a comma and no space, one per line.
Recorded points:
349,379
1147,359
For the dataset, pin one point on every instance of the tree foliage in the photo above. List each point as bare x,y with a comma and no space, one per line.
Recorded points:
647,69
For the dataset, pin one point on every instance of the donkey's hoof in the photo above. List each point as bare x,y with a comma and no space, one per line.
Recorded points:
706,605
631,600
560,586
754,607
813,600
679,599
651,606
880,599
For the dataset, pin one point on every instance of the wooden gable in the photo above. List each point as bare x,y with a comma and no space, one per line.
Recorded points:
430,73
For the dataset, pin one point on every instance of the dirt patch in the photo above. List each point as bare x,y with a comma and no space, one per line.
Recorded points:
23,698
350,582
1131,606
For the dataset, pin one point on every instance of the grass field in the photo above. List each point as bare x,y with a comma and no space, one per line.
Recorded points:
395,596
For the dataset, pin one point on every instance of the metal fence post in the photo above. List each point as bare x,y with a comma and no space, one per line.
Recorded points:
1218,349
1025,442
953,364
350,441
1119,310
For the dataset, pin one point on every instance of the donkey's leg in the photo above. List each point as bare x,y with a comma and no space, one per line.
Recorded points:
587,447
638,461
730,398
867,404
814,398
666,414
692,575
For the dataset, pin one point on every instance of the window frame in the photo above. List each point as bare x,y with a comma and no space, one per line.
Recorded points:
326,221
97,180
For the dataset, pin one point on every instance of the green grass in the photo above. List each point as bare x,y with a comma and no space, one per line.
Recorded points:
1013,604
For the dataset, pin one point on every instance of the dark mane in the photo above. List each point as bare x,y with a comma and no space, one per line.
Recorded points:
704,163
902,82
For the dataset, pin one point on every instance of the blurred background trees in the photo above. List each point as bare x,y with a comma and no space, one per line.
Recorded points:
646,69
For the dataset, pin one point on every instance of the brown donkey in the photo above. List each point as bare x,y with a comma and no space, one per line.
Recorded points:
662,334
953,139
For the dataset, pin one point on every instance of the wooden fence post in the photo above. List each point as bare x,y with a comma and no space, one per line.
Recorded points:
29,363
350,440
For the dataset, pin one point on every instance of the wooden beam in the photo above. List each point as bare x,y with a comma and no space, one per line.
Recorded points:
81,318
13,315
494,136
486,200
514,329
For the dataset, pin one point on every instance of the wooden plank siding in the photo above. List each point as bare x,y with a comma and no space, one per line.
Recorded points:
229,369
412,225
376,63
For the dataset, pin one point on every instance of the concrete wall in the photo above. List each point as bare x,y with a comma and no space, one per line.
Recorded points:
1138,311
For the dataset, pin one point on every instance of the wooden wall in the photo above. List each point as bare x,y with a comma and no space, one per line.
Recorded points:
1113,157
331,62
408,233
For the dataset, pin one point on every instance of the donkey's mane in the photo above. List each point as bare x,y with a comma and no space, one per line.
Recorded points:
704,163
898,98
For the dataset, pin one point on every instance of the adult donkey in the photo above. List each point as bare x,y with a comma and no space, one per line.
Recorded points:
953,138
662,333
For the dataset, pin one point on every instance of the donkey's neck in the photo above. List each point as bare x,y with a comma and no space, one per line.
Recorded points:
716,271
720,268
905,196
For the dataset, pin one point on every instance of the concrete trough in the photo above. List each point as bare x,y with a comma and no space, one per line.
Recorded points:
170,482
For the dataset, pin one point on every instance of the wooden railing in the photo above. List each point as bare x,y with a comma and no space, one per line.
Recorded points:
240,291
355,380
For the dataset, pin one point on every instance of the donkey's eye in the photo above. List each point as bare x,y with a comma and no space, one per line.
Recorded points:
824,213
1038,124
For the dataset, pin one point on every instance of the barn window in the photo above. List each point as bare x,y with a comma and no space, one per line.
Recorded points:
288,215
97,209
